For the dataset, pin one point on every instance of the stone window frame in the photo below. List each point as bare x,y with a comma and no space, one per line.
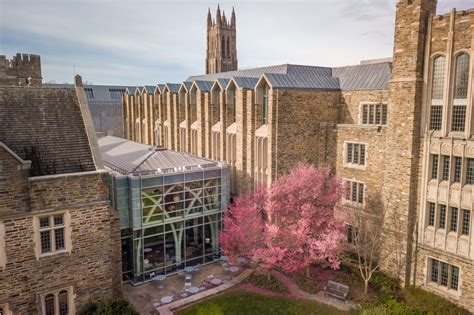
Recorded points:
361,114
6,309
437,285
3,253
55,293
67,234
364,190
345,155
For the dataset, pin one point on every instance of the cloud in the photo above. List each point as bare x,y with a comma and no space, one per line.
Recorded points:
146,42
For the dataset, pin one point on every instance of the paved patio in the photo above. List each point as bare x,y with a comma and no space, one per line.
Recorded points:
148,297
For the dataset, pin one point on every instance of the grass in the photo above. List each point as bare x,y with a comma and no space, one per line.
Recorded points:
307,284
272,284
244,302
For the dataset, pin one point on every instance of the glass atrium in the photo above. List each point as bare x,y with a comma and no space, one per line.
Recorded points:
170,215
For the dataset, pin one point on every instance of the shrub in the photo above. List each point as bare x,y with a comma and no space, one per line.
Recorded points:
109,307
430,303
307,284
393,307
380,280
272,284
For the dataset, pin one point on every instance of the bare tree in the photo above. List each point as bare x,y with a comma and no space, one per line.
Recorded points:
368,237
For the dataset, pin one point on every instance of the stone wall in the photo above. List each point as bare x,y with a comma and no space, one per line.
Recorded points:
93,266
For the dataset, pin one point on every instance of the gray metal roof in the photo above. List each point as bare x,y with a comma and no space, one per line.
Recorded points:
187,85
160,87
359,77
173,87
204,86
131,90
245,82
149,89
100,93
127,157
223,82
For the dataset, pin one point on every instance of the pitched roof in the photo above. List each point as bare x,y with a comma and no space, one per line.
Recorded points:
149,89
173,87
204,86
127,157
359,77
245,82
100,93
45,125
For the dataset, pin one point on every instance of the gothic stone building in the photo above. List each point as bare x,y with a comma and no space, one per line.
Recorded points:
59,236
402,129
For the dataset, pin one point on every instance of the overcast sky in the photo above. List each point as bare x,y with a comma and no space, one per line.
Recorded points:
147,42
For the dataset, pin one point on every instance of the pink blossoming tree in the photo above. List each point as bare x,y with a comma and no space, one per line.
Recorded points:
290,226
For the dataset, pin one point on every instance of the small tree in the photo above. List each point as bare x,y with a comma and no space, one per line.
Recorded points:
368,238
290,226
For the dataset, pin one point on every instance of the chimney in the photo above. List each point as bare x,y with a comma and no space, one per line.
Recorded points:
78,81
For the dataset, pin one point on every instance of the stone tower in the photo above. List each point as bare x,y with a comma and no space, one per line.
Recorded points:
403,141
221,43
21,70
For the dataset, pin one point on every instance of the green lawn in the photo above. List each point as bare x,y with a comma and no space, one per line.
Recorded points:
244,302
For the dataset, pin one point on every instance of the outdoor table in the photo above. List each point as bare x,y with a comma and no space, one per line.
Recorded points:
167,299
160,277
216,281
192,290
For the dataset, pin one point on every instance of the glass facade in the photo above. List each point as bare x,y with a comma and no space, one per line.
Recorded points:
169,221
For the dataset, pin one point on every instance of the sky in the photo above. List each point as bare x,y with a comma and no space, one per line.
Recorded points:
145,42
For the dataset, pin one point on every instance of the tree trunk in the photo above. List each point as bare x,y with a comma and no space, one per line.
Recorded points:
308,274
366,286
269,275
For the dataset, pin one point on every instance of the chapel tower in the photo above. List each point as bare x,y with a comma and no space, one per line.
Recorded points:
221,55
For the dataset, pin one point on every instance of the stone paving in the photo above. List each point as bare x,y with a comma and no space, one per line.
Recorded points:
147,297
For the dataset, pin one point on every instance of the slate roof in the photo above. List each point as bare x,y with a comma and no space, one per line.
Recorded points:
359,77
45,126
127,157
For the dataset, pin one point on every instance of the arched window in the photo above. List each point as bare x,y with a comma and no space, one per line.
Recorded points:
223,47
437,93
49,305
228,47
63,303
461,83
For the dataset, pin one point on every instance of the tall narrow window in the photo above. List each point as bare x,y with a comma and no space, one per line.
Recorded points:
457,169
265,105
434,166
446,164
442,217
431,213
49,302
470,172
437,93
461,83
454,220
466,222
434,270
63,303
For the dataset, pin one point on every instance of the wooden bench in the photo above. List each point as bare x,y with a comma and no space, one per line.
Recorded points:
337,290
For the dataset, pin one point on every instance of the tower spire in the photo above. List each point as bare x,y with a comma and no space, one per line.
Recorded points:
218,16
209,18
224,19
232,19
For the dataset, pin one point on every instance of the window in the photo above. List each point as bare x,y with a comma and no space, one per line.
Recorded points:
51,233
437,93
442,217
355,192
89,93
457,169
444,274
461,83
116,94
470,172
434,166
446,167
431,213
58,302
3,255
355,153
265,106
374,114
466,222
454,220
